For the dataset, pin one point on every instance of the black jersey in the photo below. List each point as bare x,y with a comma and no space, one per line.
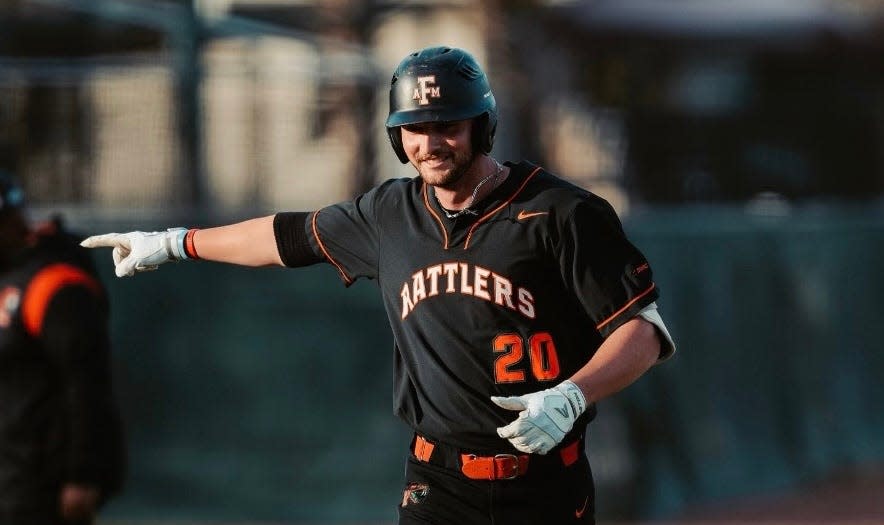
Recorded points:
510,301
58,423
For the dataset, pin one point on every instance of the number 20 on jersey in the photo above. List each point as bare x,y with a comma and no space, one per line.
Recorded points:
512,362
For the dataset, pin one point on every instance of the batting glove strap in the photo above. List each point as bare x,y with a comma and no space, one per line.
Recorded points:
173,241
574,396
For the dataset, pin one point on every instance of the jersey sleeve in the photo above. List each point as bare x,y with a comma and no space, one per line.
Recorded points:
66,311
610,276
346,236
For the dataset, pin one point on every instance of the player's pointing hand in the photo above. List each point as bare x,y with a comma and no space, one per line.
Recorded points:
545,417
140,251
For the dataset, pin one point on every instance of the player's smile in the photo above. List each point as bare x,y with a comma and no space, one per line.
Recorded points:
448,173
439,150
437,163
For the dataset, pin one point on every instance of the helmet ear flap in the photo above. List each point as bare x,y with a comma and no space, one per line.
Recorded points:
484,127
395,134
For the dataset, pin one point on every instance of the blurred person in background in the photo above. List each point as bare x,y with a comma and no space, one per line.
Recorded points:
515,300
62,453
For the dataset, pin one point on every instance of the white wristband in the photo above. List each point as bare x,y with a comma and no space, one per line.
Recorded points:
175,243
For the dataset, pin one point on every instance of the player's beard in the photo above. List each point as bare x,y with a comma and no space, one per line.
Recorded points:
453,176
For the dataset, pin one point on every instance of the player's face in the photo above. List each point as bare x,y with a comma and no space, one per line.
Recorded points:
440,151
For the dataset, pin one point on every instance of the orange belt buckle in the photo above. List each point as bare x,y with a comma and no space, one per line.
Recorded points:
500,466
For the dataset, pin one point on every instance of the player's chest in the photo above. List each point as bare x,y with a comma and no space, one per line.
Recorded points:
500,263
497,244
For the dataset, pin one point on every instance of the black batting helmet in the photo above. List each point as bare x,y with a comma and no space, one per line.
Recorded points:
11,194
439,84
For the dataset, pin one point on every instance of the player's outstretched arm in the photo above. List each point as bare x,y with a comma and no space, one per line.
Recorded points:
247,243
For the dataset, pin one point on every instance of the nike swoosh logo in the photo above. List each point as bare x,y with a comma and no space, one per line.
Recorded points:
579,512
528,214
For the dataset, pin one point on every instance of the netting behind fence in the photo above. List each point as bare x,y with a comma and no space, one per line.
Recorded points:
262,125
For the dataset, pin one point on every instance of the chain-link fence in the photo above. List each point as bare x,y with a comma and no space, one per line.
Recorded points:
201,118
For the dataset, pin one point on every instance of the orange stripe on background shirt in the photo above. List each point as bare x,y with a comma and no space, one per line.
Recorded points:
43,288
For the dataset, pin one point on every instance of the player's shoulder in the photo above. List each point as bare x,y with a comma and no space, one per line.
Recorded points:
394,188
395,192
543,188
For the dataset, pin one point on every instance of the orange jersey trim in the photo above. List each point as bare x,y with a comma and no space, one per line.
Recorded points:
328,256
435,216
625,307
488,215
43,287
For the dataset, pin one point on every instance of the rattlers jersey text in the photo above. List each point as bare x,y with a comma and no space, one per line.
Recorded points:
466,279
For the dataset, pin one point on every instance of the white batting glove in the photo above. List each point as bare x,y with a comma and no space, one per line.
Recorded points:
545,417
141,251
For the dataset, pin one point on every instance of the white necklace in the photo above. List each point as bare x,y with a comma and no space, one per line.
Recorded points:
467,210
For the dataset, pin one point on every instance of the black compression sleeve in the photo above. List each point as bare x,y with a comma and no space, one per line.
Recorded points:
291,239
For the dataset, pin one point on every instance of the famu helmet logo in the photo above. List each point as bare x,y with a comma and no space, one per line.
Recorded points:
426,89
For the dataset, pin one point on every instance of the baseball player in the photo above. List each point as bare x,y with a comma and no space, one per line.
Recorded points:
62,453
515,300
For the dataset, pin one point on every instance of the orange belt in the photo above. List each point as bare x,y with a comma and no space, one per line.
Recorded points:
498,466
